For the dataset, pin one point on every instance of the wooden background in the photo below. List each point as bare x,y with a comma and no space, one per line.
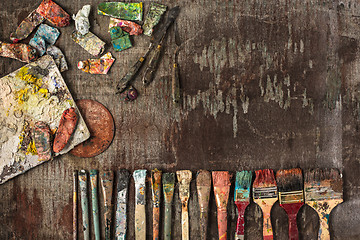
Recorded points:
266,84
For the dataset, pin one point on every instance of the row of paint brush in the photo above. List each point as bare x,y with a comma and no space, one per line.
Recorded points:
322,192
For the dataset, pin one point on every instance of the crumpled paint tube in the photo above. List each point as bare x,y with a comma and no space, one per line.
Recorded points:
127,26
122,193
75,208
27,26
44,36
184,179
19,51
107,186
97,66
221,180
122,10
65,130
140,200
120,39
155,187
153,17
54,13
84,204
90,42
203,186
58,57
95,202
82,23
168,182
42,138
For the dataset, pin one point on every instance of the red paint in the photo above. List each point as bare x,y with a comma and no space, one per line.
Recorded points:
241,206
66,128
292,210
54,13
222,223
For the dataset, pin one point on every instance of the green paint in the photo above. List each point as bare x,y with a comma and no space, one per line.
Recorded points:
125,11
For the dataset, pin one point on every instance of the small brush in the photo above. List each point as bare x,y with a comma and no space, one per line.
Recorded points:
168,182
291,196
184,179
221,180
242,199
265,195
75,180
323,192
122,192
203,185
107,178
140,200
95,202
156,186
84,204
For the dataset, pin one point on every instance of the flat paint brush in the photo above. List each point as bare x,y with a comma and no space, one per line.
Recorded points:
184,179
291,196
242,199
265,195
120,216
84,204
95,202
75,180
140,200
203,186
155,187
221,182
323,192
107,178
168,182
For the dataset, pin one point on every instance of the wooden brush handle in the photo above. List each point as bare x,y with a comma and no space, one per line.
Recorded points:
241,206
266,205
185,221
292,210
222,223
140,222
167,221
203,224
156,222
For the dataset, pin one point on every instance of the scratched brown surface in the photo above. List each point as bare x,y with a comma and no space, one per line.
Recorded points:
266,84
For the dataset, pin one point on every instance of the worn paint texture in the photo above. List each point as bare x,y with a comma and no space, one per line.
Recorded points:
42,139
90,42
97,66
95,202
153,17
168,182
19,51
75,205
45,36
140,202
54,13
203,187
107,183
234,115
184,177
27,26
121,204
58,57
82,22
67,125
128,26
156,197
84,204
122,10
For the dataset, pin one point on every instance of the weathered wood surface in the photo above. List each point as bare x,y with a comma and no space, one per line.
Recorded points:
267,84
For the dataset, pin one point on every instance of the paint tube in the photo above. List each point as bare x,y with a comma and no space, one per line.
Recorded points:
120,39
53,13
156,186
66,128
84,204
122,192
122,10
95,202
42,140
97,66
107,186
127,26
58,57
19,51
140,201
44,36
27,26
153,17
82,23
90,42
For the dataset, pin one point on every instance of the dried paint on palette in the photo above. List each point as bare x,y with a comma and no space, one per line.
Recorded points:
126,11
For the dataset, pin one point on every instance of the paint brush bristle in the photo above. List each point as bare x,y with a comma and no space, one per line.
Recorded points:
289,180
168,178
264,178
221,178
243,180
203,178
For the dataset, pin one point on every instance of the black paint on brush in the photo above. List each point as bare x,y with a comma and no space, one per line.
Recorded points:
123,179
289,180
318,175
168,178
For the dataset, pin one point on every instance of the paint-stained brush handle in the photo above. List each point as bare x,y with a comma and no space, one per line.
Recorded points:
203,186
75,179
95,202
184,178
107,186
140,200
175,84
240,230
152,65
185,221
155,186
122,192
267,227
84,203
168,181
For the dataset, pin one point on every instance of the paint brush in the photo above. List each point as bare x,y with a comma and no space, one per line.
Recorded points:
265,195
155,187
140,200
107,187
75,177
184,179
203,186
168,182
242,199
122,192
323,192
221,181
291,196
84,204
95,202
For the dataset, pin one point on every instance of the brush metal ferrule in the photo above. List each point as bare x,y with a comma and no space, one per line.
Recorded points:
242,195
291,197
268,192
